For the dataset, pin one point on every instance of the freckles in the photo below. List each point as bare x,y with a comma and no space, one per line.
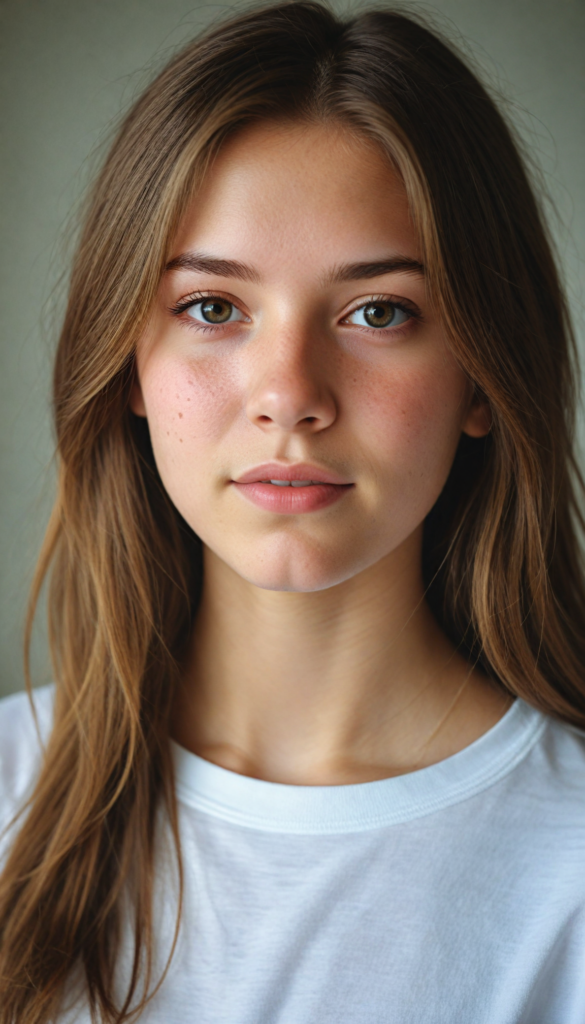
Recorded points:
211,407
191,400
388,404
413,408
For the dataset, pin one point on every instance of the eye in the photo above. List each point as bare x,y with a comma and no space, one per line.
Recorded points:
380,313
214,310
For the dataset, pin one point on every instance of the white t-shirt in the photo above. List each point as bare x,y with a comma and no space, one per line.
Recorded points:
452,895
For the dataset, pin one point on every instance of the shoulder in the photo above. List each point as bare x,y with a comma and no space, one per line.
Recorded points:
562,749
552,777
21,745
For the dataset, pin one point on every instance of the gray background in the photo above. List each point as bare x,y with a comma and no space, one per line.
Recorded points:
67,70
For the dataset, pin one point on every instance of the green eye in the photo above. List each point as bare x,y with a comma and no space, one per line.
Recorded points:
379,314
214,310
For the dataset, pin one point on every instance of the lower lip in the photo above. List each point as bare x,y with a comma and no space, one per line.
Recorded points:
292,500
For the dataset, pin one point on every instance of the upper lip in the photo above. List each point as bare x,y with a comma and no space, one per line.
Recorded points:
298,471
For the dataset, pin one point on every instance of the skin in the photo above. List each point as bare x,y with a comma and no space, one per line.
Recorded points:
315,660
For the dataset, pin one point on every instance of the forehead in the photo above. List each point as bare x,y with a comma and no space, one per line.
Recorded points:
306,194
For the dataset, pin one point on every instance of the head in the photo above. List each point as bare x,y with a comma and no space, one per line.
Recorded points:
298,229
330,164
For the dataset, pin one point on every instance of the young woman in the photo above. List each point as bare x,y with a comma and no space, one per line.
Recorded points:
317,610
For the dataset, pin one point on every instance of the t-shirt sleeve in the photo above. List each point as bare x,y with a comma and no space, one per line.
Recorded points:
21,749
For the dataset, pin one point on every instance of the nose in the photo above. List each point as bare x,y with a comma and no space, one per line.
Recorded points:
290,387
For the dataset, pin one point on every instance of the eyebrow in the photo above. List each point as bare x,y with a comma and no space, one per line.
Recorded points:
376,268
204,264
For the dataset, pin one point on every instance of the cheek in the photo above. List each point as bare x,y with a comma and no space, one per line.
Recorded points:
188,407
415,414
189,410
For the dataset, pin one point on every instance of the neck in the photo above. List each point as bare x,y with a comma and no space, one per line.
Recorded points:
348,684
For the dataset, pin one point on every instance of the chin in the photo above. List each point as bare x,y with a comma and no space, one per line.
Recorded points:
298,583
296,571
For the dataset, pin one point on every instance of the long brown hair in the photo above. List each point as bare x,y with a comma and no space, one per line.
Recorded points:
501,552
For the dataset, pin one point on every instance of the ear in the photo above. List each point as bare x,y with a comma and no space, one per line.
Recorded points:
136,398
478,421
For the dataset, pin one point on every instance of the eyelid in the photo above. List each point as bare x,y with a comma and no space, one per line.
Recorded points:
406,305
199,296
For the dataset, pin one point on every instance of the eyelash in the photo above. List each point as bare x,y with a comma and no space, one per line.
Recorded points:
402,304
191,300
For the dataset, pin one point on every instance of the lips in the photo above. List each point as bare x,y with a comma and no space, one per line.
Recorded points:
309,488
300,471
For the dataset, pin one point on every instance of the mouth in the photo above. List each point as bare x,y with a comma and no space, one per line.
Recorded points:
292,483
291,489
301,474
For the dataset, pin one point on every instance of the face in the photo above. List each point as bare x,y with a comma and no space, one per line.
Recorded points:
293,340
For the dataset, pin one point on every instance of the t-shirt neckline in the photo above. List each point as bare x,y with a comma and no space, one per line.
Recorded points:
358,807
